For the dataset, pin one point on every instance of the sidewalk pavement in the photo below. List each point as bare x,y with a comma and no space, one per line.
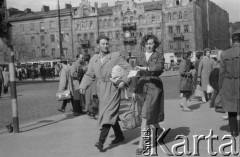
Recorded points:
67,136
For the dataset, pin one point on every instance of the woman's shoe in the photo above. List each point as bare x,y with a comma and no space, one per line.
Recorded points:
99,145
139,151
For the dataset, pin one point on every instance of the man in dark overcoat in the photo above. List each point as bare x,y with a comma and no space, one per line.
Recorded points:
229,82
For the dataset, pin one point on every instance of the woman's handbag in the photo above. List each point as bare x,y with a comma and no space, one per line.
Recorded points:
63,95
131,118
218,104
186,84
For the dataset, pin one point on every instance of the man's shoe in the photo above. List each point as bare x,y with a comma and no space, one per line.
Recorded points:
61,110
118,140
99,145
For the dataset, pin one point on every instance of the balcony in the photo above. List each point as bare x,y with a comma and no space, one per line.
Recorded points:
129,40
129,26
85,43
178,37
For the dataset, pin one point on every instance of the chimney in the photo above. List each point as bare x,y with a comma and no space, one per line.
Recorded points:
104,5
45,8
68,6
27,10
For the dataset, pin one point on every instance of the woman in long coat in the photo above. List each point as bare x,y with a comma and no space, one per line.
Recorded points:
65,83
149,88
109,94
229,83
186,87
6,78
204,70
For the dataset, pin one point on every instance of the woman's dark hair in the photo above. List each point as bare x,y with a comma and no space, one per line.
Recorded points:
150,36
186,54
198,55
205,51
102,37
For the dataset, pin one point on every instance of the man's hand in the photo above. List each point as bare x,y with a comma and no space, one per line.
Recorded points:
199,81
121,85
141,68
82,91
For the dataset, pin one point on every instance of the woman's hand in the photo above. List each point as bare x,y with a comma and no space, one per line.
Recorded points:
141,68
121,85
82,91
133,96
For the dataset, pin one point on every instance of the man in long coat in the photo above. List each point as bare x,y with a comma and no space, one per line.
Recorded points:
229,82
109,93
1,81
204,69
77,73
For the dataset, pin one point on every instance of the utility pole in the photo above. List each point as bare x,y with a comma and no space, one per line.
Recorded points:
60,33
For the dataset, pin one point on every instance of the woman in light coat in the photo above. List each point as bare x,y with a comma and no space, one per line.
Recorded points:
6,78
65,83
204,70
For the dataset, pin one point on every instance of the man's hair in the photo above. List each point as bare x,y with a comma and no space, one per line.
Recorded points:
102,37
150,36
64,62
87,57
236,37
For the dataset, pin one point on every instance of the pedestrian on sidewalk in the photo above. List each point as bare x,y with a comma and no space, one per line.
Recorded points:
1,81
229,83
148,89
77,73
65,83
109,93
204,70
6,78
186,80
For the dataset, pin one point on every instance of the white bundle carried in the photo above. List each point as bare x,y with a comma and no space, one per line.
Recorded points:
117,75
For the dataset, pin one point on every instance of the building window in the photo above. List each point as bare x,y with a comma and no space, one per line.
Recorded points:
79,50
41,27
187,45
53,52
105,23
102,33
42,40
43,52
179,46
131,19
125,20
79,37
110,35
177,2
22,27
33,54
141,19
85,11
186,28
52,38
65,23
32,39
85,36
150,31
175,16
169,16
170,29
32,26
110,22
91,36
52,24
101,23
185,15
180,15
171,45
178,29
116,21
78,26
159,33
91,24
153,19
117,35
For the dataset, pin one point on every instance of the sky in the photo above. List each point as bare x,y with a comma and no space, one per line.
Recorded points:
231,6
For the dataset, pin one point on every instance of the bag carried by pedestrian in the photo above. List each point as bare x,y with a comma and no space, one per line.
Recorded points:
218,104
186,84
5,89
63,95
131,118
93,108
